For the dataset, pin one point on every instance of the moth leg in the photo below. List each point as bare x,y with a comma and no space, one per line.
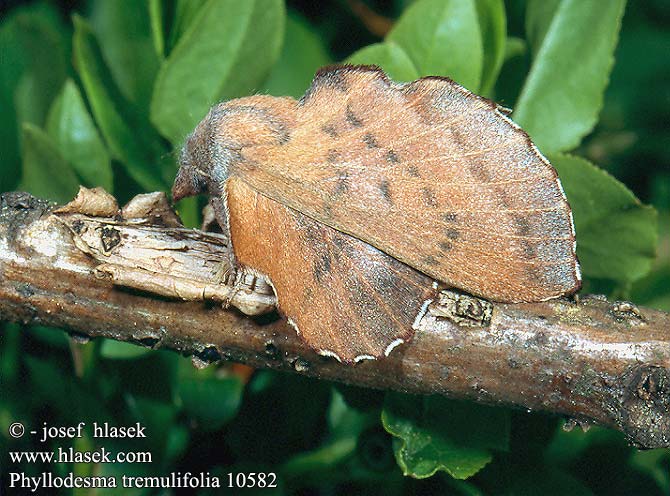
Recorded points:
250,293
230,268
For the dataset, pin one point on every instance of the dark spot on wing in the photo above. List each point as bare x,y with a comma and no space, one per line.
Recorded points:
352,119
430,260
342,182
283,136
333,156
445,245
322,266
392,157
460,138
330,130
522,226
413,171
370,140
528,249
327,210
479,169
449,217
385,189
451,233
428,196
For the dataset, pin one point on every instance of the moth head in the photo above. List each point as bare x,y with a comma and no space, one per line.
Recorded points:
195,164
216,145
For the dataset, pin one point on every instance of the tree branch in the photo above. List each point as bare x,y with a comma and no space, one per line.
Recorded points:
589,359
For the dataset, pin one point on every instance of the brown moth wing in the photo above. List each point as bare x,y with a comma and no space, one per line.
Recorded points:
345,298
429,173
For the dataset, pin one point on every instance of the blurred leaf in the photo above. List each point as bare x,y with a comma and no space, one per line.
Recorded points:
119,350
71,127
616,234
46,173
493,27
434,433
57,338
185,12
157,22
126,141
547,482
125,27
302,54
32,67
654,463
654,290
226,52
42,40
539,15
390,57
442,38
212,402
345,427
58,388
560,100
514,47
278,421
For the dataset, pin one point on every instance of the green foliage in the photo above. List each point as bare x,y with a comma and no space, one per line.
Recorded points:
559,111
107,98
127,133
303,52
226,50
442,38
46,173
616,234
434,433
71,127
390,57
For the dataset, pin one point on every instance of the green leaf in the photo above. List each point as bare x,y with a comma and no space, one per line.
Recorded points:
514,47
226,52
157,21
129,140
125,28
433,433
51,384
33,56
119,350
302,54
185,12
390,57
442,38
616,234
493,27
45,172
563,93
654,290
42,44
539,14
212,401
71,127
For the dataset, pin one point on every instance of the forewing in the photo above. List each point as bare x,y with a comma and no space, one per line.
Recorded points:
432,175
345,298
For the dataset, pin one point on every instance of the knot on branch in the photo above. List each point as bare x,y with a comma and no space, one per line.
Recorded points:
645,404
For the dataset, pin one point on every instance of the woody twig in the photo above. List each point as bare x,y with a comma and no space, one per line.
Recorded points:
588,359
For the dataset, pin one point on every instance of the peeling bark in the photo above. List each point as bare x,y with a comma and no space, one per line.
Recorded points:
588,359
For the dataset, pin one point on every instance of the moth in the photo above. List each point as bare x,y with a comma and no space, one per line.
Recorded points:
357,200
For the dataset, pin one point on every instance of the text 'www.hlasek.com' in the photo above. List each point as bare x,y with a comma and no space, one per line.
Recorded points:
82,444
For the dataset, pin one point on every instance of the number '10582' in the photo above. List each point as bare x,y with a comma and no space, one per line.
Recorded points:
252,479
